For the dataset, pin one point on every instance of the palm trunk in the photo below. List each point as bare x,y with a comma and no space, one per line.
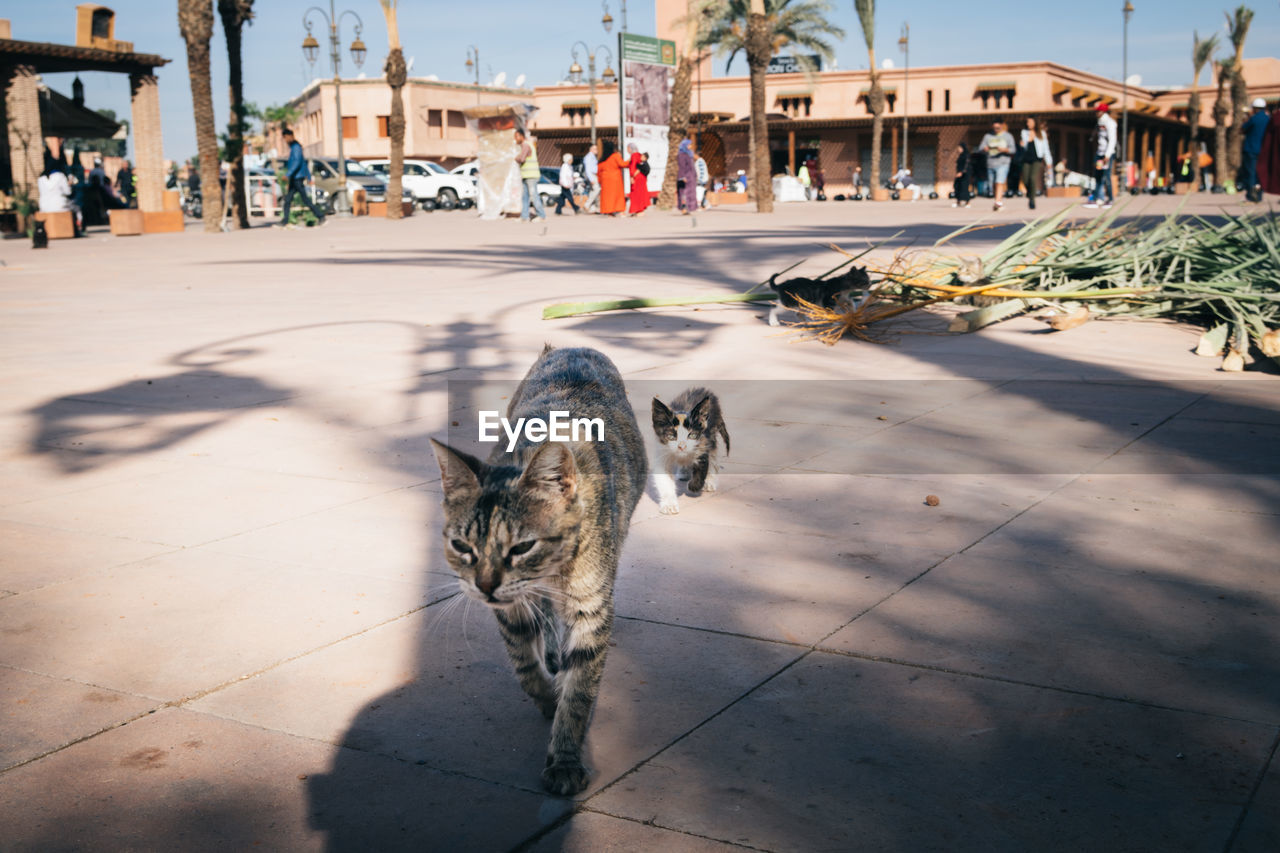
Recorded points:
1220,113
195,20
1193,118
234,13
758,54
1235,129
397,73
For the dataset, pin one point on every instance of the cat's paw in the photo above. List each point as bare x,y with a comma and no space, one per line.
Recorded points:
547,707
709,487
564,778
671,508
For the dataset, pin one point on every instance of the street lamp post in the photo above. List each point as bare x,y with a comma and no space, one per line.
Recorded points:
904,42
311,48
575,74
1124,97
473,61
607,20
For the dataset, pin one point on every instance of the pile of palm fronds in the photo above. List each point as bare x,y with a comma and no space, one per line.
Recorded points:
1223,275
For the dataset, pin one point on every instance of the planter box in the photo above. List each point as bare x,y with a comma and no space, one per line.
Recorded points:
727,198
379,208
59,226
1063,192
125,223
161,221
1183,188
880,195
172,200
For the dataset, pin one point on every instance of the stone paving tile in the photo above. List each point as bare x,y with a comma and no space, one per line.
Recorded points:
188,621
32,557
1260,831
588,832
837,754
787,587
39,714
437,687
189,505
888,510
166,782
1172,639
1194,446
29,475
1215,492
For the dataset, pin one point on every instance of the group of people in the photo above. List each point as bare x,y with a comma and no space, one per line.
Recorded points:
998,158
65,186
603,168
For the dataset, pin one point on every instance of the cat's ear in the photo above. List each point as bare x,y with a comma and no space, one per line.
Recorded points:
698,417
459,473
551,473
663,417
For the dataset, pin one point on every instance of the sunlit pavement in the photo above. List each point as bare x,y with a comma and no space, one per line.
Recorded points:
226,622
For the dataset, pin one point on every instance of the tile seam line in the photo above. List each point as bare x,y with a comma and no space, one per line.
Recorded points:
1253,795
182,702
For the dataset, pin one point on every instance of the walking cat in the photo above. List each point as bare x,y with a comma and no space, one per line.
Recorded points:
535,534
687,431
825,293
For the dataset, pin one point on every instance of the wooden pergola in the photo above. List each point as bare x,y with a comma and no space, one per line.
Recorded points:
22,147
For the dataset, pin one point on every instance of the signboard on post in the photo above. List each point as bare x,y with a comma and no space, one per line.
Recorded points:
648,68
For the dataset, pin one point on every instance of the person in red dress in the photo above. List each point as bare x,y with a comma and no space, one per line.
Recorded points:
638,165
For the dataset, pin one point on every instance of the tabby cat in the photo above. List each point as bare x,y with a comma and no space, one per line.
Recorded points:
687,431
536,533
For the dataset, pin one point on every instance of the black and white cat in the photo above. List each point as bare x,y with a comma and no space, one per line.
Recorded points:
836,292
687,431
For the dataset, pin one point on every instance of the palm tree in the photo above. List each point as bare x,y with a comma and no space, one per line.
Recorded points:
761,28
195,21
1221,110
235,14
695,21
875,95
1201,51
1237,29
397,73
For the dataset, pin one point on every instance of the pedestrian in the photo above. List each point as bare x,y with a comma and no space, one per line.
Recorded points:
1269,156
1035,147
1104,156
856,180
1254,129
686,178
566,186
297,174
527,159
638,168
590,168
819,182
124,185
999,147
703,174
54,194
613,197
963,176
902,180
802,175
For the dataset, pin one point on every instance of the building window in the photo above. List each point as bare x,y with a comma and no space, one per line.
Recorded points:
928,100
890,98
350,127
946,100
456,119
384,127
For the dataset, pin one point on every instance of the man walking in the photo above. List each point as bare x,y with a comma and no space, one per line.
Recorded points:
297,174
530,174
1104,157
591,168
1254,129
566,186
999,146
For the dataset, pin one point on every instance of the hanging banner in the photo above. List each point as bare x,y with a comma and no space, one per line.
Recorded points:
648,72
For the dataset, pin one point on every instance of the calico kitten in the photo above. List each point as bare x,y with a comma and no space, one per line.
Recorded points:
835,292
687,431
536,534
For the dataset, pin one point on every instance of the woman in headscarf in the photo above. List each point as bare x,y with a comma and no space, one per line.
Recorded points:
964,176
639,169
686,178
613,198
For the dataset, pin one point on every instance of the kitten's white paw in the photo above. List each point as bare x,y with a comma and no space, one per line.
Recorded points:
709,487
669,508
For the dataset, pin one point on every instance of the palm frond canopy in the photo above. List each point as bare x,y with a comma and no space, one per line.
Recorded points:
803,24
867,17
1238,25
1202,50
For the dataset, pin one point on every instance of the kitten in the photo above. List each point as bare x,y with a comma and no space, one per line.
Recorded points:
687,431
836,293
536,533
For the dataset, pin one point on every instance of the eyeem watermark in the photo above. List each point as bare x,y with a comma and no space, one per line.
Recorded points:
560,427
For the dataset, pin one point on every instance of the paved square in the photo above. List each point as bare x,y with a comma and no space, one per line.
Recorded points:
225,621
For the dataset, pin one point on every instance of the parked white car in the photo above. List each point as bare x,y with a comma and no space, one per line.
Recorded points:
430,181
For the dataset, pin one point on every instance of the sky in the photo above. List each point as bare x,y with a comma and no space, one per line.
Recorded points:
534,39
